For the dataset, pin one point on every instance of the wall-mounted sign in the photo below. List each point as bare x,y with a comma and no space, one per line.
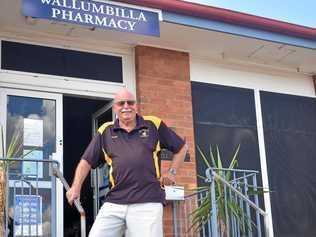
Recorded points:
33,132
95,14
30,168
28,215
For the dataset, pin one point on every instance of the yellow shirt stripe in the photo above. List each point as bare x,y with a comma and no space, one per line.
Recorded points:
104,126
109,162
106,156
154,119
157,122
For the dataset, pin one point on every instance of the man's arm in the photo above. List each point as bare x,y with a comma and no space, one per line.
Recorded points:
81,173
169,177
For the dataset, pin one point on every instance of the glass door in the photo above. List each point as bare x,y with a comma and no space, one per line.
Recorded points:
32,122
99,176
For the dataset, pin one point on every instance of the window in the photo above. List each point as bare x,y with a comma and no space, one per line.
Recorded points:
225,116
290,138
60,62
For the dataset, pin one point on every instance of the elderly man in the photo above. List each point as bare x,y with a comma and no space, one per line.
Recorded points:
130,147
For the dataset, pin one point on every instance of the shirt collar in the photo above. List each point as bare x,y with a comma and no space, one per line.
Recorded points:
140,123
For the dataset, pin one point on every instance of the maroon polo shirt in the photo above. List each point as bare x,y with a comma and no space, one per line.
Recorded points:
132,157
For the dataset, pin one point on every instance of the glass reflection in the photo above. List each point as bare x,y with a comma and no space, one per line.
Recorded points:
31,125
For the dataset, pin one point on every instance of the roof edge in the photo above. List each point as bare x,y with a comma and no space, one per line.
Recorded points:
228,16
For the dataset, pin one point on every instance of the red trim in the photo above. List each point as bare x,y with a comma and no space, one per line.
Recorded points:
214,13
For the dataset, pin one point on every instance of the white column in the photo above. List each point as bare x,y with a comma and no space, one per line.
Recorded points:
263,162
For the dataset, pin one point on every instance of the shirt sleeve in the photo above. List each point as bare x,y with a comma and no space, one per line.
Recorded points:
169,139
93,153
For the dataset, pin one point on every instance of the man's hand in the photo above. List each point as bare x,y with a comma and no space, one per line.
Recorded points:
72,194
167,179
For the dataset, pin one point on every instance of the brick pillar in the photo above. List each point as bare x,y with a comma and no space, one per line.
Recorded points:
164,90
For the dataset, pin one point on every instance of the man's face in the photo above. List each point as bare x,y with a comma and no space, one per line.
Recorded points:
125,107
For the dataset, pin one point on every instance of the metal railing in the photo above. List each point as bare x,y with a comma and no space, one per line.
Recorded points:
25,181
230,203
58,174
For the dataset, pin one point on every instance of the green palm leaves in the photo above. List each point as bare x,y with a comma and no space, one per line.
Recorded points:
202,214
233,213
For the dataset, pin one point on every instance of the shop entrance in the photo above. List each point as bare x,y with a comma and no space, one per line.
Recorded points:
81,117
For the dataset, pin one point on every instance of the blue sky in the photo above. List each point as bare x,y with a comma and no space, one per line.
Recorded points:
301,12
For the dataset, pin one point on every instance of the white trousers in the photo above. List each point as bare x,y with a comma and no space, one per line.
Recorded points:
133,220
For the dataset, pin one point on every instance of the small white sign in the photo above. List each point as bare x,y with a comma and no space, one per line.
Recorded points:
33,132
174,192
33,168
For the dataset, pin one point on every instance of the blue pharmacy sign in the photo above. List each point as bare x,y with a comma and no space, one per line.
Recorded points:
28,215
95,14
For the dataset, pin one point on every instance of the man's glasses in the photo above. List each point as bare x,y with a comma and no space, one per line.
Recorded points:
122,102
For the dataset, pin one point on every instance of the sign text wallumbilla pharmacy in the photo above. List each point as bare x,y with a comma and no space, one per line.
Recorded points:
94,14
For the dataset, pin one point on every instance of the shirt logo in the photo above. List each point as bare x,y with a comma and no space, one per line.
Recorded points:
113,135
143,133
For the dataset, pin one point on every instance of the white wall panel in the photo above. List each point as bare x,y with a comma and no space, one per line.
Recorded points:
251,77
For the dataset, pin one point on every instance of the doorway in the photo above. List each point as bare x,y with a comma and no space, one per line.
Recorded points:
58,127
78,126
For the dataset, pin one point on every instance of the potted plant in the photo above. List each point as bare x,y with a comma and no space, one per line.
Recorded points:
237,213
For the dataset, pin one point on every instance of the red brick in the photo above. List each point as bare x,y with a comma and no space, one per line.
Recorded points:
164,89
